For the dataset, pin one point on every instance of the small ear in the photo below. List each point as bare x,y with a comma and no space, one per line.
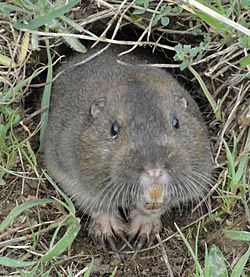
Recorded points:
97,106
181,99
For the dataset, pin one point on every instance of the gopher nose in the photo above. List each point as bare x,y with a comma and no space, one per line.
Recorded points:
155,173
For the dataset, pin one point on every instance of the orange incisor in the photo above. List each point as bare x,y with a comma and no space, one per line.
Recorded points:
155,197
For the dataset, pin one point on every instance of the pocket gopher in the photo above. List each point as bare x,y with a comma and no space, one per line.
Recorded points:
123,136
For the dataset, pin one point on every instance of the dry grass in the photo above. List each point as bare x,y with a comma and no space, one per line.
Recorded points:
216,66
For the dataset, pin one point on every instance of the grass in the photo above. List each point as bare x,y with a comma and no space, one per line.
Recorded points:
39,226
235,185
46,97
57,245
215,263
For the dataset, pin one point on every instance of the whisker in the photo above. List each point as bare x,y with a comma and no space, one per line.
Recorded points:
200,193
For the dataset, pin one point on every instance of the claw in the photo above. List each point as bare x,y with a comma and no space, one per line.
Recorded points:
103,245
151,238
126,243
111,242
105,229
138,245
135,253
143,228
103,242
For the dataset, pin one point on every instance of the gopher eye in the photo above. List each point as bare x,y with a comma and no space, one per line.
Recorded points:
115,128
175,123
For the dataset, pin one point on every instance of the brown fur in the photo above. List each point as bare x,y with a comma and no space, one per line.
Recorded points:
103,173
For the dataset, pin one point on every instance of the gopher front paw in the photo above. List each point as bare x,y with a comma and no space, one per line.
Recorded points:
106,229
104,225
144,226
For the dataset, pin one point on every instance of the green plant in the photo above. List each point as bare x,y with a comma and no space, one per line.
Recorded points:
187,54
38,14
216,106
46,98
162,16
215,264
237,165
8,152
141,7
57,245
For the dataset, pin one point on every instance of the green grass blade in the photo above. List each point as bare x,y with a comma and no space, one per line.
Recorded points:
235,146
46,98
114,272
230,161
242,165
14,91
44,19
212,21
90,266
26,4
64,242
216,263
6,61
195,258
244,62
239,267
31,273
207,93
8,8
66,221
245,159
5,261
207,269
237,235
70,206
30,155
20,209
219,9
197,242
